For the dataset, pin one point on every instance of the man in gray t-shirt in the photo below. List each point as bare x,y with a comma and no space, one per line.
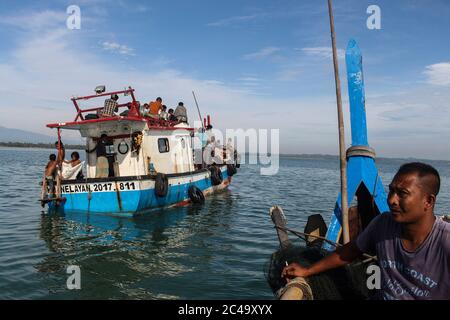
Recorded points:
423,273
411,243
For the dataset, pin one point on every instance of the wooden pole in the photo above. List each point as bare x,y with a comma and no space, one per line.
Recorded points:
342,155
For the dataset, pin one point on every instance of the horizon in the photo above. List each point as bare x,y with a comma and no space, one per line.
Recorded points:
252,65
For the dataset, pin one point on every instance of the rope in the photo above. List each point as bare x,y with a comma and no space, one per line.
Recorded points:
361,151
303,236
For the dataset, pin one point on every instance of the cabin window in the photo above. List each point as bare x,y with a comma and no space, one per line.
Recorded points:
163,145
183,143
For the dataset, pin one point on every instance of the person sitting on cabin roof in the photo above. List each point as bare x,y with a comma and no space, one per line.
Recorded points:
180,112
50,172
411,243
163,114
155,107
102,167
110,107
171,116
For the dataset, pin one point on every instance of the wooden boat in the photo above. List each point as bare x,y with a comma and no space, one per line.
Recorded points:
364,184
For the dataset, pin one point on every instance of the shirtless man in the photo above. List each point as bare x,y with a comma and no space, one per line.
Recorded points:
50,172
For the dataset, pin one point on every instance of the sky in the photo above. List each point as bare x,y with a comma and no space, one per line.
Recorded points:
252,64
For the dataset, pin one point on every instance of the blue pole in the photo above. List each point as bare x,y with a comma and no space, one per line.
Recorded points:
356,95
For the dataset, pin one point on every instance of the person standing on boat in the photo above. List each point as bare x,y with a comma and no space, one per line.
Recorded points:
180,112
102,167
412,244
61,151
111,106
50,173
155,107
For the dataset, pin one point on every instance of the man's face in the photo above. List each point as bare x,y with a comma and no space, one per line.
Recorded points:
407,200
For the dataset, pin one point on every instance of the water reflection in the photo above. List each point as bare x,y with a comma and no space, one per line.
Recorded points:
128,256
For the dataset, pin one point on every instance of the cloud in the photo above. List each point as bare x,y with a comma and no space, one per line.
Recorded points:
118,48
235,19
438,74
249,79
261,54
36,21
289,74
322,52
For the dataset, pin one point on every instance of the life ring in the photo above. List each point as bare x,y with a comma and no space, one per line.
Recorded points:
161,185
231,170
216,175
123,145
196,195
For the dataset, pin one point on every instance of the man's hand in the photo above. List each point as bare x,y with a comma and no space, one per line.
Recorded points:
343,255
294,270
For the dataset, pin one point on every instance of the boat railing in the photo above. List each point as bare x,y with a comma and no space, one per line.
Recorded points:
133,105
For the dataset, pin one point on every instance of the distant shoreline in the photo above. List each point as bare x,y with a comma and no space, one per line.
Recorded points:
39,145
283,155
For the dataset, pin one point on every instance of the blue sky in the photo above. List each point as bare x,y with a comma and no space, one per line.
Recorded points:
253,64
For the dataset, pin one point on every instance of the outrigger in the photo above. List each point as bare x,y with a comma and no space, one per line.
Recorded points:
150,162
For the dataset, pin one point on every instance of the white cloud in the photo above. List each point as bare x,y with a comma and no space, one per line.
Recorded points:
235,19
118,48
35,21
322,52
289,74
261,54
249,79
438,74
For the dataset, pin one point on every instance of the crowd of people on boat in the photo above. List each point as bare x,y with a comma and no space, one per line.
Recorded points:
154,109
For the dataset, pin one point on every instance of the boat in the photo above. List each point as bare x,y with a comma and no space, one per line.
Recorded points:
317,239
150,161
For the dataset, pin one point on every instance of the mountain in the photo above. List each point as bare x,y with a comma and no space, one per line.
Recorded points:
17,135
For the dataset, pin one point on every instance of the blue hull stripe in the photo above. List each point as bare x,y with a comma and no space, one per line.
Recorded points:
133,201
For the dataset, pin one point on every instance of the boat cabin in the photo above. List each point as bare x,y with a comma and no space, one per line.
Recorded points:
134,143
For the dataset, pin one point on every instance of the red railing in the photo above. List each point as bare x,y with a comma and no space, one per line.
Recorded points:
133,105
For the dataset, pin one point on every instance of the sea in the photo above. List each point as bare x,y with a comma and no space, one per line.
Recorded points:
219,250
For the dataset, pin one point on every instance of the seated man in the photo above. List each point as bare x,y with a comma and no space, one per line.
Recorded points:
411,243
155,107
163,114
110,107
171,116
180,112
73,168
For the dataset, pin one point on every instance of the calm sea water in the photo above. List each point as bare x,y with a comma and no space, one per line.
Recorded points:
215,251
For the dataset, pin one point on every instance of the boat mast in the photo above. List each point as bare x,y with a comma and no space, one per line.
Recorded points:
342,155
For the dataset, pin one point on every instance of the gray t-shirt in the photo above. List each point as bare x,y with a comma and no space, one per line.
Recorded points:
422,274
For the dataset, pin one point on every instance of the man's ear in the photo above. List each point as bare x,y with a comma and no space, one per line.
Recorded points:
430,201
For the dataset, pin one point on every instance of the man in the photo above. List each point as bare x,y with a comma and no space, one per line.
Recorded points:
163,114
102,167
155,107
61,151
180,112
50,173
171,116
411,243
110,107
